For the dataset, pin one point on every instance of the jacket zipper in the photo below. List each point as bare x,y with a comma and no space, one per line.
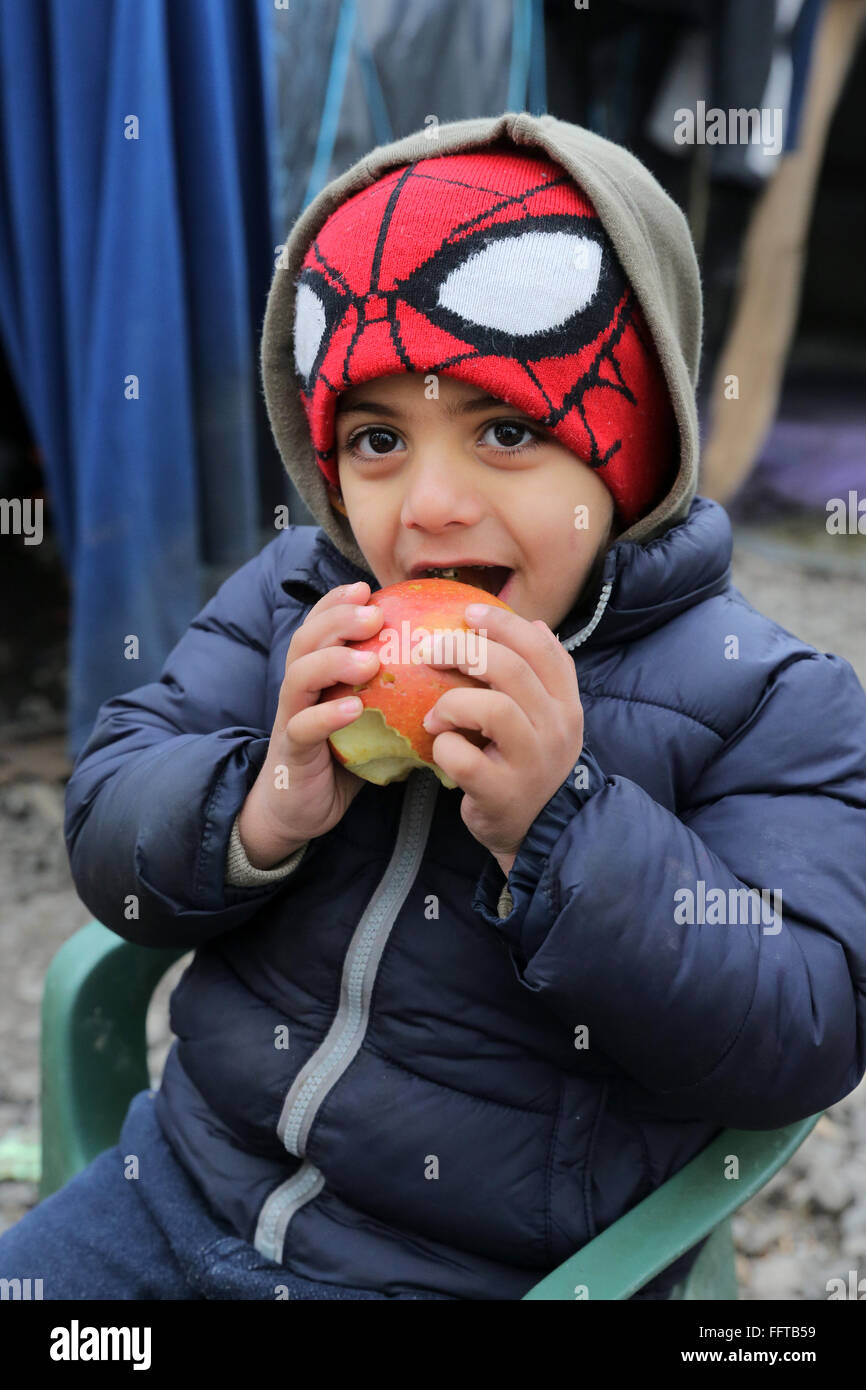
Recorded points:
338,1049
585,632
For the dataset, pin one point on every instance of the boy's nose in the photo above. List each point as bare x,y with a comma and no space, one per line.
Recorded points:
439,492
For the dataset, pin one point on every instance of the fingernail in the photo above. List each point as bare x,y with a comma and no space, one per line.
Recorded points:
474,611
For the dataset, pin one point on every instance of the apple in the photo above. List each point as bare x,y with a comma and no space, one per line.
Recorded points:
388,739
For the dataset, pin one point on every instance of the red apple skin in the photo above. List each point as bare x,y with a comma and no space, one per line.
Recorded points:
404,692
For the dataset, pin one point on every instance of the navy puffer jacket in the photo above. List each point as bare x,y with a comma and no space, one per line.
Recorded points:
473,1088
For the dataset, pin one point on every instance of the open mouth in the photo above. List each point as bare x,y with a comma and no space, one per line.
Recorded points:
491,578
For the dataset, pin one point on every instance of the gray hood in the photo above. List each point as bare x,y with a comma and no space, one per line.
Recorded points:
647,228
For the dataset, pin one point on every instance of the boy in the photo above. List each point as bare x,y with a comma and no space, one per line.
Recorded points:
432,1041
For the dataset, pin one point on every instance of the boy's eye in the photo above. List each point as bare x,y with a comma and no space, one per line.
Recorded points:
507,434
381,440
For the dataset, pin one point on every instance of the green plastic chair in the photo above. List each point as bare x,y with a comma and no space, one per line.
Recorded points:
94,1060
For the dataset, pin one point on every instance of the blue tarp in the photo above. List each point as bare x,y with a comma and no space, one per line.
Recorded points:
136,249
154,155
153,158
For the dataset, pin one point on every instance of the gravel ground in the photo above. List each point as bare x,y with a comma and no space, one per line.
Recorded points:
808,1225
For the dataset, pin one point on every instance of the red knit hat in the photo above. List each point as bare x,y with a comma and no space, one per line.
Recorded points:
492,267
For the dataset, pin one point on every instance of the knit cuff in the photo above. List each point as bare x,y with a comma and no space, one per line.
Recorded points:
240,873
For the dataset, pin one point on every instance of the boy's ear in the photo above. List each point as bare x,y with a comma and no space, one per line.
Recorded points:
336,499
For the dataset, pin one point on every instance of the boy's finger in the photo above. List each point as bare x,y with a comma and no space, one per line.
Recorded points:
476,771
317,671
491,713
535,642
500,668
351,592
310,727
336,621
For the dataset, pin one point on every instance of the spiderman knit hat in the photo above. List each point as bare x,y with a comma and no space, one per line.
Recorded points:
491,266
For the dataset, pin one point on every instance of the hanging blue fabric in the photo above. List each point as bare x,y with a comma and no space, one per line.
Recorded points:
802,46
348,32
373,91
135,258
537,103
330,119
521,42
527,78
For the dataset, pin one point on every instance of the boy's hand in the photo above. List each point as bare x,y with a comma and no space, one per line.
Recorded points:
533,715
301,790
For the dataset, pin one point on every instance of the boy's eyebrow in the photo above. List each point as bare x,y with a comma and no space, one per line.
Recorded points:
466,407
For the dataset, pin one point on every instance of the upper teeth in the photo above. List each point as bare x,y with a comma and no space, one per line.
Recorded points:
450,571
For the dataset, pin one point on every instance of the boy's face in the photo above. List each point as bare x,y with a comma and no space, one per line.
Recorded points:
466,477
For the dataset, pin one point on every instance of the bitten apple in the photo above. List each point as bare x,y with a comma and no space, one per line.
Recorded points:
388,739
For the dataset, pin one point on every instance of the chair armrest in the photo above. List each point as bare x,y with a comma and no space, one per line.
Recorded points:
676,1216
94,1047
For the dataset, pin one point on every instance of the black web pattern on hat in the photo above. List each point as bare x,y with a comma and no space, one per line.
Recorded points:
604,314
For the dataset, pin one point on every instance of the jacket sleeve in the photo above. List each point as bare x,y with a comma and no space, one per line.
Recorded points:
243,874
754,1019
155,791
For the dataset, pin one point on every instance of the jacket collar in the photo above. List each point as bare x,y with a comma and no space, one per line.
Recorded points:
643,585
640,585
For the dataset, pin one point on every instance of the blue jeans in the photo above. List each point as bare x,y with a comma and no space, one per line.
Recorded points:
103,1235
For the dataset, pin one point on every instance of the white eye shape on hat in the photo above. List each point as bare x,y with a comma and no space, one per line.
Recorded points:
525,284
309,328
